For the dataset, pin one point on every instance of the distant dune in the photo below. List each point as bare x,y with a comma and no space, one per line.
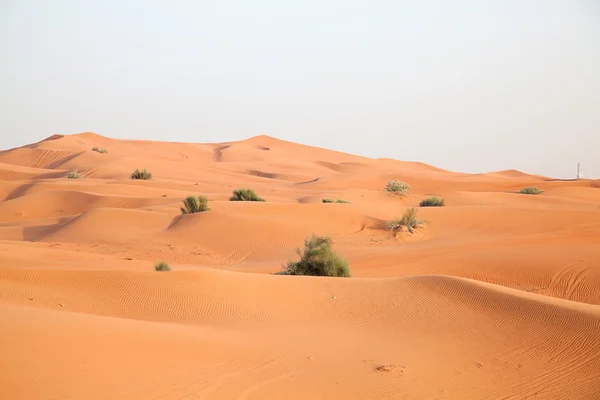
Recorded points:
497,296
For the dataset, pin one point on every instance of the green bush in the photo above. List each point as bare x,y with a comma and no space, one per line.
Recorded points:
328,200
143,174
162,266
408,220
396,186
74,175
317,259
432,202
531,190
192,204
245,195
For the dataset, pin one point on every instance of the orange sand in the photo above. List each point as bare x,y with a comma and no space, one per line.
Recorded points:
497,297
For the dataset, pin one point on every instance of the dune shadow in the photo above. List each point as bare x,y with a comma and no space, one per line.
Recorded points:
376,223
305,200
63,160
261,174
174,221
218,152
20,191
36,232
307,182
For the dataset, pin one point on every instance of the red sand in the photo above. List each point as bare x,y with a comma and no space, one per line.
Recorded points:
496,297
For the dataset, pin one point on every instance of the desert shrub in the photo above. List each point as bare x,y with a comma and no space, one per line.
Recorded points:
162,266
432,202
530,190
245,195
408,220
192,204
396,186
74,175
96,149
143,174
328,200
317,259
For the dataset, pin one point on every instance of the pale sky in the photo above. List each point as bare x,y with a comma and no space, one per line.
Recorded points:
466,85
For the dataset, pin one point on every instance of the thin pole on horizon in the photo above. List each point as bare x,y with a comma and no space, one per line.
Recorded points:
578,170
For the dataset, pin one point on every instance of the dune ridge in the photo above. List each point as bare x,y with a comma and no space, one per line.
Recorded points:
497,296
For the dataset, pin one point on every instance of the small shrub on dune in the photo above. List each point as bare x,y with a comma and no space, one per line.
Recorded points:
143,174
317,259
530,190
192,205
432,202
162,266
408,220
328,200
102,151
245,195
74,175
396,186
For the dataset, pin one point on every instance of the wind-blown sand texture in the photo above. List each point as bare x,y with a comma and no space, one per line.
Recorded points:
496,297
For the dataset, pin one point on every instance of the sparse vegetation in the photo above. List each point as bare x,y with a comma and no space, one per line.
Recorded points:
432,202
531,190
245,195
396,186
143,174
328,200
103,151
317,259
74,175
408,220
162,266
193,204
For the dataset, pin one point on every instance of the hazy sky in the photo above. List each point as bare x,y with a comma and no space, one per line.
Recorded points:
470,86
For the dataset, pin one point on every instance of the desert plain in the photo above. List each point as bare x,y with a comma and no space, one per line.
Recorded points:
496,296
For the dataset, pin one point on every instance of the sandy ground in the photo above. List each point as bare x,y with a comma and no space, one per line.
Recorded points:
496,297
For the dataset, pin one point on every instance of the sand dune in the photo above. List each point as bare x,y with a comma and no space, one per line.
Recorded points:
496,297
51,204
513,173
482,341
10,172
